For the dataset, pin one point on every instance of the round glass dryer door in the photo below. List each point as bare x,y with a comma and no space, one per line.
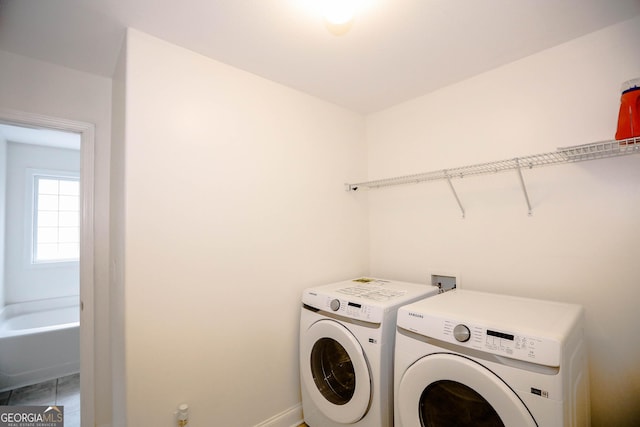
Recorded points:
335,372
442,390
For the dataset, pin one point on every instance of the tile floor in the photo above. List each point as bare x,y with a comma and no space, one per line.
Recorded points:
63,391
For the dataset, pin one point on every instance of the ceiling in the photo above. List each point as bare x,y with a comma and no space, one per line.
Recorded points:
395,50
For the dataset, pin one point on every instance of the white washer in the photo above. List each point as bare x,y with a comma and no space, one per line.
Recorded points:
347,334
468,358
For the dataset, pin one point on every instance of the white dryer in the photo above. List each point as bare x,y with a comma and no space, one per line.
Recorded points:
468,358
347,335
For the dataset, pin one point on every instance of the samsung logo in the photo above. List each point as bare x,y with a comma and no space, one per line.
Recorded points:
412,314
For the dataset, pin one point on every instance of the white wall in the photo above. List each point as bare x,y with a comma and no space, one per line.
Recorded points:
254,172
3,204
579,245
38,87
116,246
234,202
24,281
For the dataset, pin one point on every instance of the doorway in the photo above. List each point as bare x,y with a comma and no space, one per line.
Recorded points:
84,134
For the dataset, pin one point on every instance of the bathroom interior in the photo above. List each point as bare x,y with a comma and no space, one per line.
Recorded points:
39,318
219,189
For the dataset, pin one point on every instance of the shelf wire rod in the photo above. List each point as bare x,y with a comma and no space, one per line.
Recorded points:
578,153
453,190
524,187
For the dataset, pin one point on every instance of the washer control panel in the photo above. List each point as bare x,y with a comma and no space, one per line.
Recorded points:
344,307
493,340
461,333
489,339
351,309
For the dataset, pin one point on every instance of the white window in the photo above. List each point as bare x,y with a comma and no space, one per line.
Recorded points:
56,218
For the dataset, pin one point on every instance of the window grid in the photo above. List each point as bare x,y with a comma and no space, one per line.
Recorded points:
56,219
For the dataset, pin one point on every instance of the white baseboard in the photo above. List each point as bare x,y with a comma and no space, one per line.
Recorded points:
291,417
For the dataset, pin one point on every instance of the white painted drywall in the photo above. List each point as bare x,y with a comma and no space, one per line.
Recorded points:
581,243
234,202
3,204
116,243
38,87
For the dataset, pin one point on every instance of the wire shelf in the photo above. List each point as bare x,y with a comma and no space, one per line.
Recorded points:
578,153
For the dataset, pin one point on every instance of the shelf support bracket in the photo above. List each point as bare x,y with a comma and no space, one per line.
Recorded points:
453,190
523,186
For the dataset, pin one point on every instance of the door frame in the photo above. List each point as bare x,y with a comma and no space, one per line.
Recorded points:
87,171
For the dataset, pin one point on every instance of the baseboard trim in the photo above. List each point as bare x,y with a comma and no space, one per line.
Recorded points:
291,417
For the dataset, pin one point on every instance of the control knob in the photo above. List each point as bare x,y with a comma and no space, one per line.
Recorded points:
335,304
461,333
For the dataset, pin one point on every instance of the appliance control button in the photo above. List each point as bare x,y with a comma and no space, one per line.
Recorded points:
461,333
335,304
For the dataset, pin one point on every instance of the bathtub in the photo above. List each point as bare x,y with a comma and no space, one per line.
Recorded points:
39,341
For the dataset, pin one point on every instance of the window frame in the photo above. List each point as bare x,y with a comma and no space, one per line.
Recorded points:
32,219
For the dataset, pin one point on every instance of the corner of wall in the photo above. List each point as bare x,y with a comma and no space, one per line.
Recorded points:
117,411
3,186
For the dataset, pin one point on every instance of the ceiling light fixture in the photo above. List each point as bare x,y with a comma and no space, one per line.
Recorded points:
338,14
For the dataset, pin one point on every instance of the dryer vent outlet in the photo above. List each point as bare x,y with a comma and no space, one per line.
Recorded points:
445,283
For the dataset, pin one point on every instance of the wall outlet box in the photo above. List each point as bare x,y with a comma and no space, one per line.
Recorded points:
445,283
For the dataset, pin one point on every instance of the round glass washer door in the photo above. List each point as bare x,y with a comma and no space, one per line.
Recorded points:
443,389
335,372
